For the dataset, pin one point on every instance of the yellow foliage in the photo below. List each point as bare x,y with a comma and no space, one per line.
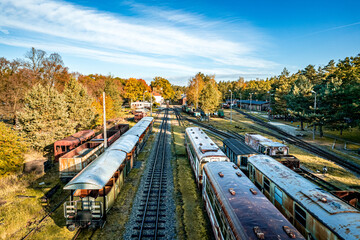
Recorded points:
109,108
12,149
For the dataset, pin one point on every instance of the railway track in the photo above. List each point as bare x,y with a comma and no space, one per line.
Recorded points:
302,144
216,131
151,218
45,217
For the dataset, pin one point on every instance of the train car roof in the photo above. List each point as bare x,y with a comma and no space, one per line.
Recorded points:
258,137
273,144
135,131
99,172
76,137
238,147
148,119
245,209
203,145
125,143
339,216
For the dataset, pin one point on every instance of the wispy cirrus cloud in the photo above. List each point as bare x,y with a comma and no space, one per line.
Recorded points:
138,41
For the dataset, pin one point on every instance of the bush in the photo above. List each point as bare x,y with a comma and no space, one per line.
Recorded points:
12,149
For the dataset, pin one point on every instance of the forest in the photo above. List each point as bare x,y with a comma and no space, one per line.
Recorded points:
41,101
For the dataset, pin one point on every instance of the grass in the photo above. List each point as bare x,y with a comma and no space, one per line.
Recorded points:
192,221
20,215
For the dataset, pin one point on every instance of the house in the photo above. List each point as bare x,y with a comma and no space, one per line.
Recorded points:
158,98
255,105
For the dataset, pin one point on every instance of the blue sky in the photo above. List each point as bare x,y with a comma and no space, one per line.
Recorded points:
177,39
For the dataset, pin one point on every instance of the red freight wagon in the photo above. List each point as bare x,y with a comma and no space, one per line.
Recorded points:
67,144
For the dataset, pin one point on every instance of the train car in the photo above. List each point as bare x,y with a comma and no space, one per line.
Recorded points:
142,129
95,188
67,144
238,152
127,144
265,145
201,150
237,210
77,159
316,213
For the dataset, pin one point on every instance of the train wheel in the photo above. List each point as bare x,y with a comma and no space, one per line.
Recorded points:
71,227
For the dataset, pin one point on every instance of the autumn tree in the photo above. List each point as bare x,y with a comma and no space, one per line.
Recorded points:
163,86
135,88
109,108
194,88
12,149
79,105
44,117
210,97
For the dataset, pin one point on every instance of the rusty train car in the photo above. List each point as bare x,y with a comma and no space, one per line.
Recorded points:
77,159
230,198
237,210
316,213
95,188
69,143
265,145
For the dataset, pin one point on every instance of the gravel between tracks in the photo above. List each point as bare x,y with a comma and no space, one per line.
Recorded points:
170,203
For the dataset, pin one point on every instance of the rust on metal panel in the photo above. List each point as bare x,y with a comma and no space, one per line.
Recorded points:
244,210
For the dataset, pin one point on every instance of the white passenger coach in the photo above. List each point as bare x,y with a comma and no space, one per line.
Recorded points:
201,150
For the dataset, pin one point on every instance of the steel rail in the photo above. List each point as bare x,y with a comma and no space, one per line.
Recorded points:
302,144
162,135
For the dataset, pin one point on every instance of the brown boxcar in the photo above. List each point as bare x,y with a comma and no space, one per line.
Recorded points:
67,144
74,161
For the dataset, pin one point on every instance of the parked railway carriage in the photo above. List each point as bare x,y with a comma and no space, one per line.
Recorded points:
67,144
77,159
265,145
201,150
95,188
314,212
237,210
238,152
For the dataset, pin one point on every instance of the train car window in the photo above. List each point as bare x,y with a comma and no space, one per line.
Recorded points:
278,195
62,148
300,215
244,161
266,184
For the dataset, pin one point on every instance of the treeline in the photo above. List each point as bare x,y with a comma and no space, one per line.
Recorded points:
44,102
336,87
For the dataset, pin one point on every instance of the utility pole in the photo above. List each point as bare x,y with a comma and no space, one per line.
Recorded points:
250,101
230,106
314,127
104,113
151,104
240,100
269,116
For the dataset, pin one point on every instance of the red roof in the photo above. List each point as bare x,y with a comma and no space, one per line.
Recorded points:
156,94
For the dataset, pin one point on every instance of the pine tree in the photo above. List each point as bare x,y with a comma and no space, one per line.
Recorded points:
299,99
79,105
44,117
